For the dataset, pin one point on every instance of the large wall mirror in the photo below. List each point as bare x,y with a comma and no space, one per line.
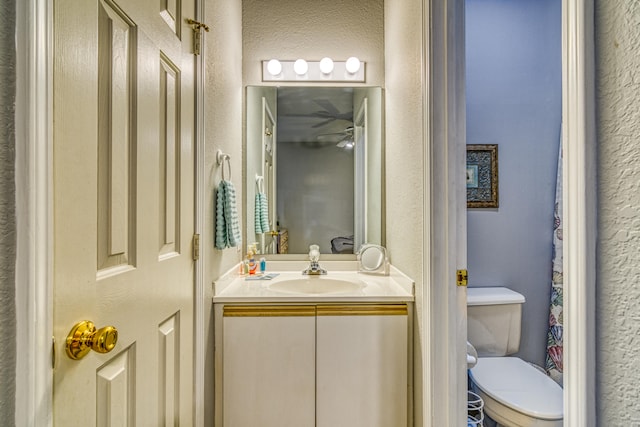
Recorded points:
314,168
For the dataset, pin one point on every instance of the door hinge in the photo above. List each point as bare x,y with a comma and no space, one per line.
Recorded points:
197,34
196,247
462,277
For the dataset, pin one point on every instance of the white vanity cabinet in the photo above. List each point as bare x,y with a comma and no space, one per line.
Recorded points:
361,365
324,365
268,366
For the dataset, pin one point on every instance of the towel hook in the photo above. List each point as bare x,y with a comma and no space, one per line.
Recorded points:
221,158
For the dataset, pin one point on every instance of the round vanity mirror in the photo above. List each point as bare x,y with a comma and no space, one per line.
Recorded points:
372,257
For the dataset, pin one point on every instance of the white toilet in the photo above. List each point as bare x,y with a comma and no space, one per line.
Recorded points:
515,393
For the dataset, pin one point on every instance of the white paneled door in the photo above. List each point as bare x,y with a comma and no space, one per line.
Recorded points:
124,209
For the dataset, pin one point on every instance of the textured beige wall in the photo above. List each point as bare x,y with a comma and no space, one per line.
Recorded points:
404,157
7,211
403,135
618,290
223,131
223,117
618,62
387,35
313,29
292,29
288,29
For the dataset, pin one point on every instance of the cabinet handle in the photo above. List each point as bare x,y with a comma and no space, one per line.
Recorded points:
269,310
363,310
312,310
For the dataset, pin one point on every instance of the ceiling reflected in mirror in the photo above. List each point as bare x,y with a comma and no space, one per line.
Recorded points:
316,115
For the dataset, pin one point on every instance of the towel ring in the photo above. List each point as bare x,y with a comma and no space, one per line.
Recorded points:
260,183
221,158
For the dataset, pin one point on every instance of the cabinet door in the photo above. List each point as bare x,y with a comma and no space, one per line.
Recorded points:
269,366
361,366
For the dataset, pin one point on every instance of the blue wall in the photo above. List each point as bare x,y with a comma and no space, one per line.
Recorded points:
514,100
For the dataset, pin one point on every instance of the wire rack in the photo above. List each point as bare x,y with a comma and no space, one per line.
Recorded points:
475,410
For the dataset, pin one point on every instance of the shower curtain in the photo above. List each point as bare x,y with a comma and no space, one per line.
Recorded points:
553,363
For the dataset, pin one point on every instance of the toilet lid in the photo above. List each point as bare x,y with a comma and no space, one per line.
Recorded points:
520,386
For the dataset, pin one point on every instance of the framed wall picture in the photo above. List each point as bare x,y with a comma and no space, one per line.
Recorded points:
482,176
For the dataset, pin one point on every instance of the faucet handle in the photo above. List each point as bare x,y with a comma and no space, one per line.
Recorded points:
314,253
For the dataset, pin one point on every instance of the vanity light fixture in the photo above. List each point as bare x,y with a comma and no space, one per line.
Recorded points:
347,143
274,67
352,65
326,65
300,67
325,70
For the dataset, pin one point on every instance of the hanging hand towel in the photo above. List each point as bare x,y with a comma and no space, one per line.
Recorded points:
258,214
264,213
261,215
227,227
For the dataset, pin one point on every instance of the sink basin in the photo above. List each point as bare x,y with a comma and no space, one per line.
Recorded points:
317,285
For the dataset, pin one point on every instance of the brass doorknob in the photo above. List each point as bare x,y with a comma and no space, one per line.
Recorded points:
84,337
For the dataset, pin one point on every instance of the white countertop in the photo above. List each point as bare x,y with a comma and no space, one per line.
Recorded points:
233,288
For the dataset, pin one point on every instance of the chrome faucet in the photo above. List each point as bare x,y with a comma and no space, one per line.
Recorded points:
314,268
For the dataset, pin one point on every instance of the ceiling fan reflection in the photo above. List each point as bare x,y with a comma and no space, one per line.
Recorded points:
329,112
343,139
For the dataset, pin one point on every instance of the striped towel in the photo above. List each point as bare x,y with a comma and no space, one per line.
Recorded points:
258,214
261,219
264,213
227,226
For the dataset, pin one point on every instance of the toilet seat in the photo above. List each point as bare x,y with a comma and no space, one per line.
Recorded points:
518,385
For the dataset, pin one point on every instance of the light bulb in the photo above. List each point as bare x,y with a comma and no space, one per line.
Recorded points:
326,65
274,67
300,67
352,65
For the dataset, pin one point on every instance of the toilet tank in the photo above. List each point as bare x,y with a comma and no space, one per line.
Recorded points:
493,320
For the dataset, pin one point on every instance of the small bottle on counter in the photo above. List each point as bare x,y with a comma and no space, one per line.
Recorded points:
251,261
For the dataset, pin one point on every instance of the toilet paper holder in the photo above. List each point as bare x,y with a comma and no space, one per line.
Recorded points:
472,355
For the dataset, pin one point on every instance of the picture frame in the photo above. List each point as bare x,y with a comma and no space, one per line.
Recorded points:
482,176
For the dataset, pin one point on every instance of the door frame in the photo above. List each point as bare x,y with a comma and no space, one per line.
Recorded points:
580,210
442,92
361,173
199,228
34,207
269,185
34,203
444,240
